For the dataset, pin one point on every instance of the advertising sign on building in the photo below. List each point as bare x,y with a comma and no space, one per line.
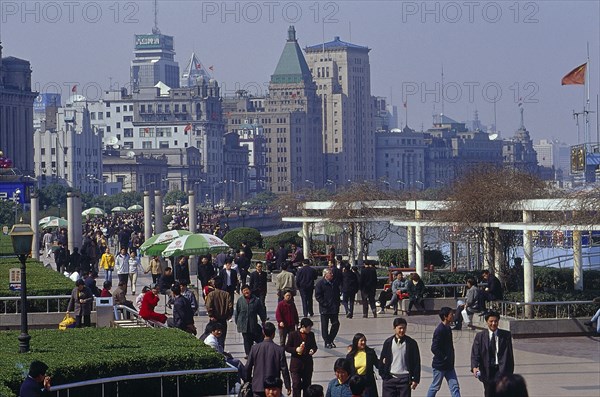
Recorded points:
44,100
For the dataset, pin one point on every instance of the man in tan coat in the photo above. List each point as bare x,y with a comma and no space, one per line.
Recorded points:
219,307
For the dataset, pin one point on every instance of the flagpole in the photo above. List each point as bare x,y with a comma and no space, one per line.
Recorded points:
587,101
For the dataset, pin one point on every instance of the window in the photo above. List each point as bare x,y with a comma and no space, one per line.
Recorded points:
100,116
128,132
142,108
163,144
118,125
43,152
93,115
108,128
118,109
147,145
107,115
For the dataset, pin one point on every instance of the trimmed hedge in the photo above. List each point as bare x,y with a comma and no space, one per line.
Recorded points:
91,353
235,237
40,280
400,256
285,238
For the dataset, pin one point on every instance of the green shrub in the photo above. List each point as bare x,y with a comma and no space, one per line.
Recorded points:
40,280
235,237
82,354
285,238
400,257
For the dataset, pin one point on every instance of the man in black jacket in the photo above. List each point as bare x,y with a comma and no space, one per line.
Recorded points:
183,315
442,348
258,284
305,282
368,285
493,291
400,362
281,256
327,294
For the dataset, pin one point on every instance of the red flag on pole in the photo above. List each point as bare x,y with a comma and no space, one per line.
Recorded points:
211,68
74,89
198,66
575,76
187,128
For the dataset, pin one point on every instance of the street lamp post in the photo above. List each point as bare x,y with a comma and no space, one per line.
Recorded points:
16,197
58,205
422,184
311,182
22,237
399,182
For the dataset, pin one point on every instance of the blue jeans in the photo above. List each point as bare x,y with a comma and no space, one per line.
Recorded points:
108,275
438,377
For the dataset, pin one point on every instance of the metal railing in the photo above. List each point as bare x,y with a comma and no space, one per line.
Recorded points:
121,311
563,309
4,300
161,375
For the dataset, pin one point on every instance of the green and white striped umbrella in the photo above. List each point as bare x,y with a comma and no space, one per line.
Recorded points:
135,207
156,244
58,222
119,209
194,244
46,219
94,211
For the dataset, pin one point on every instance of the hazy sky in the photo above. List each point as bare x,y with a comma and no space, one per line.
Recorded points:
489,50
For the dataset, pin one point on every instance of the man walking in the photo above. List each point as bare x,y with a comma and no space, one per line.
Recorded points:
400,362
285,281
492,354
219,307
327,294
368,285
442,348
267,359
305,281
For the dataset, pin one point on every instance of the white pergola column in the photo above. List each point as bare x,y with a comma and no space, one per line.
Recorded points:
498,255
147,215
305,240
158,212
410,241
35,217
419,245
359,244
528,282
71,208
78,238
577,261
192,221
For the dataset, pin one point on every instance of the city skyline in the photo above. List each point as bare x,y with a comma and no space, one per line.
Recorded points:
524,49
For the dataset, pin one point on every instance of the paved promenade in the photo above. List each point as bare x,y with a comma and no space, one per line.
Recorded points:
552,367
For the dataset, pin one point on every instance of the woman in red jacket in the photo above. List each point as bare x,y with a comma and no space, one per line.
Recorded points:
287,316
149,302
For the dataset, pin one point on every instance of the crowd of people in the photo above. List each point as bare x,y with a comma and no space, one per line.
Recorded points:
266,367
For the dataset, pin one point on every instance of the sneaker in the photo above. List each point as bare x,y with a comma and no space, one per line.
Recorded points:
332,345
381,311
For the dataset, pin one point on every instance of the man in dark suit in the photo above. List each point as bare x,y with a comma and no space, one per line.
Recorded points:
493,291
492,354
230,279
281,256
267,359
368,285
301,345
327,294
305,282
258,284
36,383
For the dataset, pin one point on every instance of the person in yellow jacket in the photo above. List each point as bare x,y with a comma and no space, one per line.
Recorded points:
107,262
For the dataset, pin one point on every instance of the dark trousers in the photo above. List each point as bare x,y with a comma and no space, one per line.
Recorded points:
396,387
249,340
155,278
368,300
243,274
416,302
489,384
306,296
302,378
123,278
86,321
329,334
348,302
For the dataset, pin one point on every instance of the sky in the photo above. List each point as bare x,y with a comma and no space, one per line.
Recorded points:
502,52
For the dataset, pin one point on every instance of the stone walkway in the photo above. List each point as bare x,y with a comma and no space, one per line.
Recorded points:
552,367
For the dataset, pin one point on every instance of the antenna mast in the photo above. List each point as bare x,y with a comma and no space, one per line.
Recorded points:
155,29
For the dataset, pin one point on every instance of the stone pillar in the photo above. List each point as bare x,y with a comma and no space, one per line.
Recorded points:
192,221
35,218
410,241
577,261
419,250
77,220
71,209
158,212
360,254
305,240
147,215
528,265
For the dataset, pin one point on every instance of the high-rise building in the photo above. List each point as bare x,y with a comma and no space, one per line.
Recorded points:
193,72
291,119
16,112
154,61
400,157
518,152
342,74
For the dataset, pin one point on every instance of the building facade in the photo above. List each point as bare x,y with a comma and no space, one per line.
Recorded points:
16,113
153,62
342,74
400,158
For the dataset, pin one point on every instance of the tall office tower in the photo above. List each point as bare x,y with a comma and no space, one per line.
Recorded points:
154,61
292,124
342,74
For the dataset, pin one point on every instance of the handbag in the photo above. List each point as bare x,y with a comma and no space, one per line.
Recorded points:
67,322
246,390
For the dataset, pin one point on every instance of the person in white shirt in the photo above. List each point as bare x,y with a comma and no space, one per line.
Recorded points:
135,266
122,266
212,340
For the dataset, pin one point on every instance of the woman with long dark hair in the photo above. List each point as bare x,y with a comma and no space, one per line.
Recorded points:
363,360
